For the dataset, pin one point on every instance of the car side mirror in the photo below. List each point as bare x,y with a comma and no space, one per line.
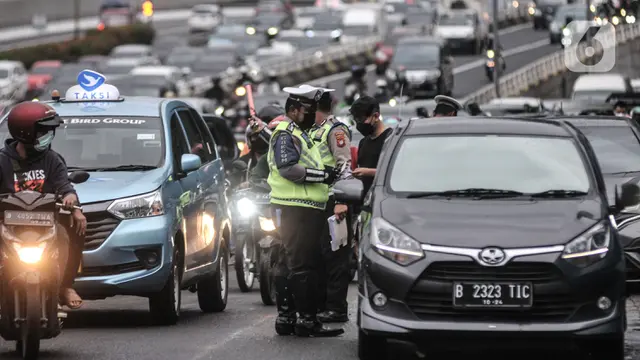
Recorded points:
78,177
348,191
239,165
190,162
629,196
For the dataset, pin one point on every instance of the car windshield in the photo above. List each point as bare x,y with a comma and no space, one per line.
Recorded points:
118,69
141,90
358,30
551,2
45,70
455,20
415,53
577,13
592,95
182,58
513,163
617,148
152,80
4,73
104,142
204,10
269,19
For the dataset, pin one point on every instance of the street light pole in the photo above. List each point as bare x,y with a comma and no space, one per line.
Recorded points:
497,66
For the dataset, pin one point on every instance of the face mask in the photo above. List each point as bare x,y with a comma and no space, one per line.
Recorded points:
43,142
308,120
365,129
620,114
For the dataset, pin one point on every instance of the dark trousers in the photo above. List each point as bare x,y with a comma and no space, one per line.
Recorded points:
335,273
300,231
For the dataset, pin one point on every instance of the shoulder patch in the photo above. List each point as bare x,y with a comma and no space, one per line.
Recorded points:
340,139
318,134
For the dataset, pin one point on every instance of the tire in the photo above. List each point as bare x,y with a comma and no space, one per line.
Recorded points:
371,347
608,349
213,290
267,281
29,344
165,304
245,277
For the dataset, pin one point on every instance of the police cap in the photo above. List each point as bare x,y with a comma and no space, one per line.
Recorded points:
305,94
448,101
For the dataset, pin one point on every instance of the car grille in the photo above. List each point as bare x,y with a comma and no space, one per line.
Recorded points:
431,297
111,270
99,226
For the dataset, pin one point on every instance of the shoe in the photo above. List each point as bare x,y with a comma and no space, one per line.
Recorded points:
308,327
285,325
331,316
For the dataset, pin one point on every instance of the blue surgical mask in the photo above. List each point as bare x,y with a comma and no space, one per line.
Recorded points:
44,141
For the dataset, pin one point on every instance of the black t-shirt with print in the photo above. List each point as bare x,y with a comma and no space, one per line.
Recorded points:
369,150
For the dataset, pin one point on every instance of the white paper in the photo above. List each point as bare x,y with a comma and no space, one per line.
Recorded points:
339,233
146,136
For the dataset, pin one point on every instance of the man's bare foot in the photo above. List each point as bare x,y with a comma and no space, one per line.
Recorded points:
70,298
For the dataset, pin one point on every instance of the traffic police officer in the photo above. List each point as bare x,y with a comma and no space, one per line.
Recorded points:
446,106
299,193
332,138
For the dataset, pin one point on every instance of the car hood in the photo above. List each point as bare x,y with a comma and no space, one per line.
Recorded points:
454,31
34,78
109,185
482,223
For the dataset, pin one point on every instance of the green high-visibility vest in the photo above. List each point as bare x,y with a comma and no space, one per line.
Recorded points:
286,192
320,136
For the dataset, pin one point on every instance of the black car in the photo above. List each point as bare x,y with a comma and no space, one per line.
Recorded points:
498,229
616,142
544,12
422,67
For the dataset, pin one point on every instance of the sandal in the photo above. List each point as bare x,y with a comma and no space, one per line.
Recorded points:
70,298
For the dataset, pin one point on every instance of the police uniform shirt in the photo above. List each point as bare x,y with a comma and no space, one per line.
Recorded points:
339,144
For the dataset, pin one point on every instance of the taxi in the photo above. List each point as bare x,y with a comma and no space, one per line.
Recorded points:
155,205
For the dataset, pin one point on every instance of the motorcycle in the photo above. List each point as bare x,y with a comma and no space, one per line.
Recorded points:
255,239
352,92
492,62
29,271
382,93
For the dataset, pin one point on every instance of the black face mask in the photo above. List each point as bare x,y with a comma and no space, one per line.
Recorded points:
308,121
365,129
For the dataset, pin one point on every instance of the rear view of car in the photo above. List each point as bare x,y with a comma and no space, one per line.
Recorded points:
204,18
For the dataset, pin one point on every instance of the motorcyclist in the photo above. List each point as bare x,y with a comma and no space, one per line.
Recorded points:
27,162
271,85
358,74
260,171
635,115
257,138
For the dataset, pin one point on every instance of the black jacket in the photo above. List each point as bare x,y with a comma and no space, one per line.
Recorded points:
47,172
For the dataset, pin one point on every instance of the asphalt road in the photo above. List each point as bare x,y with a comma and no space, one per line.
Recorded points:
522,45
120,329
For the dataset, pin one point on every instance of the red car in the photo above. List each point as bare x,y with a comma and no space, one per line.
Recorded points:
41,74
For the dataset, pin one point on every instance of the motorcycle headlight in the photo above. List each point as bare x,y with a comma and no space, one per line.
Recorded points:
219,110
393,244
29,254
240,91
566,32
266,224
272,31
623,12
140,206
246,207
390,74
590,247
251,30
490,54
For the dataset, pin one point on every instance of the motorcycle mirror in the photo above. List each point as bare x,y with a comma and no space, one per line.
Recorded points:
78,177
239,165
349,191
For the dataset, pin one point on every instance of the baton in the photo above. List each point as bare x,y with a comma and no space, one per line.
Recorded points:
252,109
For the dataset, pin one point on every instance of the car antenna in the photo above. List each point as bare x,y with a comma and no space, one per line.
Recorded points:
401,102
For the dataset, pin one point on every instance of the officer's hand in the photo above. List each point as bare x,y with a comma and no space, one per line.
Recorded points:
364,172
340,210
330,175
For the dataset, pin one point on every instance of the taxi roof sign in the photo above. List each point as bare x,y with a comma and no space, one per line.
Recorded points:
92,87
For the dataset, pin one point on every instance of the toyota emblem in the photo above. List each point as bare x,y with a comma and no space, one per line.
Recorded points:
492,256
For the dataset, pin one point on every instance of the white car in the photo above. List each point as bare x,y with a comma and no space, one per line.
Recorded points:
204,18
598,87
13,80
463,29
131,51
116,68
171,74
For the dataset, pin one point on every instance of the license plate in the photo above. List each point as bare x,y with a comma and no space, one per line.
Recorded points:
493,295
32,218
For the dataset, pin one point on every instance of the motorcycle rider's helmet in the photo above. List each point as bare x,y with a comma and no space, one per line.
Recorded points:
33,123
358,71
272,76
635,113
270,112
274,123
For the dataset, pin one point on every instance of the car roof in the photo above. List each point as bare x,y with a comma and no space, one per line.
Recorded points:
411,39
129,47
598,121
154,70
516,101
487,125
47,63
8,64
132,106
596,82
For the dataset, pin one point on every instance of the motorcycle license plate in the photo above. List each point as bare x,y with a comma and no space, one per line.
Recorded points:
30,218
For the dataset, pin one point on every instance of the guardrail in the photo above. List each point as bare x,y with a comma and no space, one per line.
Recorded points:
547,67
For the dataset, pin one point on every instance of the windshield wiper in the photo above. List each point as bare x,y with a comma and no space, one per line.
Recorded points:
624,173
560,193
123,168
478,193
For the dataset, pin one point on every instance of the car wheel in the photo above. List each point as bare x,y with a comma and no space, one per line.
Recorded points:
371,347
165,304
608,349
214,289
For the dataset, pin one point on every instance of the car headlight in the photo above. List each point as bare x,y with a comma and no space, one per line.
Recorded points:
29,254
250,30
566,32
246,207
391,74
393,244
140,206
589,247
266,224
272,31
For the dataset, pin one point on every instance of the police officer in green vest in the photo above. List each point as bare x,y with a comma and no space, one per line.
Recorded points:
299,195
333,139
